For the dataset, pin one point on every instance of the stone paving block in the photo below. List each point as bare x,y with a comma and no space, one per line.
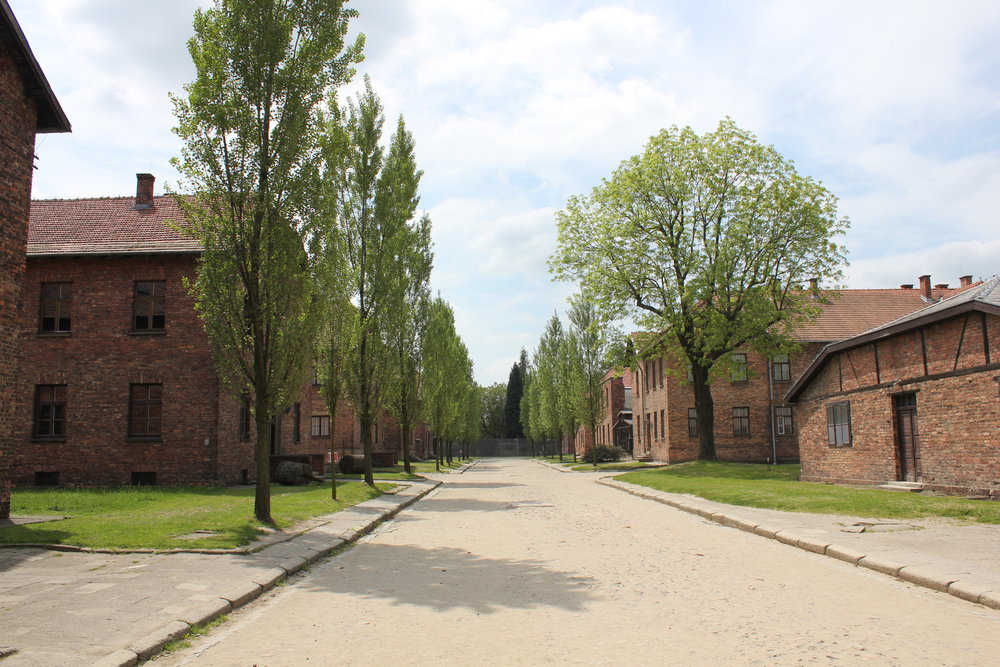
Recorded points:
926,577
120,658
843,553
204,613
882,565
766,531
737,522
270,577
240,595
990,599
701,510
293,564
965,590
788,537
812,544
153,643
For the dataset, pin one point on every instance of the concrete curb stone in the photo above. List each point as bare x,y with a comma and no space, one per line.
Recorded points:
919,575
154,642
205,613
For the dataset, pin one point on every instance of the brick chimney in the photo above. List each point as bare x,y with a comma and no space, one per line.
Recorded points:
965,281
941,286
906,286
925,288
814,287
144,191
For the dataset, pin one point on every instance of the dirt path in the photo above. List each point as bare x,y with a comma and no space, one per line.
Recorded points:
516,563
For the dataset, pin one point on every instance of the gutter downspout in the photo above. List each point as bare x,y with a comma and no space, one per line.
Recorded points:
770,398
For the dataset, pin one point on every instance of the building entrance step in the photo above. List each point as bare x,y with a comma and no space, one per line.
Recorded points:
912,487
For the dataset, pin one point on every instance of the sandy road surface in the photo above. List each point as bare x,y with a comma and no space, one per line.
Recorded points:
516,563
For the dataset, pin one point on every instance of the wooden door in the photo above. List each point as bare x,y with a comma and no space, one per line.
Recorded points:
907,437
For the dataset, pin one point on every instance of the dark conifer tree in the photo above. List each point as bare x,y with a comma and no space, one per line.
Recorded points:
512,405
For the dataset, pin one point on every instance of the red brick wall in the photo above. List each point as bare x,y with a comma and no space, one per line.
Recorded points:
17,147
958,409
98,360
664,396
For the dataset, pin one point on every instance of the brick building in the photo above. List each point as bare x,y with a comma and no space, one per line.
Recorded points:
752,423
914,400
27,107
615,427
118,384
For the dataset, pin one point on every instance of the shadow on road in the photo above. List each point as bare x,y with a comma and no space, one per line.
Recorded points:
461,505
449,578
479,485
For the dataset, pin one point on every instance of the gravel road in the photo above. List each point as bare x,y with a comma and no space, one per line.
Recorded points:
514,562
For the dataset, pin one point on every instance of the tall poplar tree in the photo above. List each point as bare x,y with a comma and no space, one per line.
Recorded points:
251,123
378,200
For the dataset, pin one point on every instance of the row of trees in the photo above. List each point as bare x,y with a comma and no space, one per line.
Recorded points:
563,382
313,252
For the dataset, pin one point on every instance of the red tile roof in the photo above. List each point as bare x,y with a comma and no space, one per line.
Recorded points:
857,310
106,226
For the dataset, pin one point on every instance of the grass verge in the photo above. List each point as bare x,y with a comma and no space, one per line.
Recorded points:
778,488
397,472
157,517
611,466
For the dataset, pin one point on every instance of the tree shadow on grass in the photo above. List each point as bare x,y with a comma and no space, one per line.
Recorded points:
446,578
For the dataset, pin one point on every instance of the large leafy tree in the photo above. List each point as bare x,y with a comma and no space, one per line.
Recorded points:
549,418
706,239
251,123
447,379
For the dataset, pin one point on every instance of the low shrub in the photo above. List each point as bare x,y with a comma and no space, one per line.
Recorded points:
603,453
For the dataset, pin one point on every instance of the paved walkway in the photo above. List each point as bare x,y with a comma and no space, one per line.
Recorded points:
516,563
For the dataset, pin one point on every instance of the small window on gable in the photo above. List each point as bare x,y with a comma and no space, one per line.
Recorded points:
781,368
739,372
783,420
692,423
838,424
149,305
55,307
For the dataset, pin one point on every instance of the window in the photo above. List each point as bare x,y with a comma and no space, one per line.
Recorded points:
838,424
783,420
663,425
245,417
320,426
145,410
741,421
297,423
655,436
739,372
50,411
781,368
692,423
56,301
148,305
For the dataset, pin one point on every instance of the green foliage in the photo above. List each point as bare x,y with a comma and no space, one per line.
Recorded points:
492,414
154,517
707,240
251,125
778,488
603,454
512,427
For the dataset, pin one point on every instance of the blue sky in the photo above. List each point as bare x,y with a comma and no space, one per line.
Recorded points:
516,105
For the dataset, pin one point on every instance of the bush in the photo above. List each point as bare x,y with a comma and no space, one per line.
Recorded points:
603,453
351,465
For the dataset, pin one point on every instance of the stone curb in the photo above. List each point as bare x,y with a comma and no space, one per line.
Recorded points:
926,577
150,645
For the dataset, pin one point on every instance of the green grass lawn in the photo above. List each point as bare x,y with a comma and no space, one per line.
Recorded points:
778,488
155,516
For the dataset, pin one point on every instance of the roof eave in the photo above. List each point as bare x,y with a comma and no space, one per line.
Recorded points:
880,334
50,114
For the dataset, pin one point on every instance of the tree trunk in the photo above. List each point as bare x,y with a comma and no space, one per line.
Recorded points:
705,409
262,499
366,446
